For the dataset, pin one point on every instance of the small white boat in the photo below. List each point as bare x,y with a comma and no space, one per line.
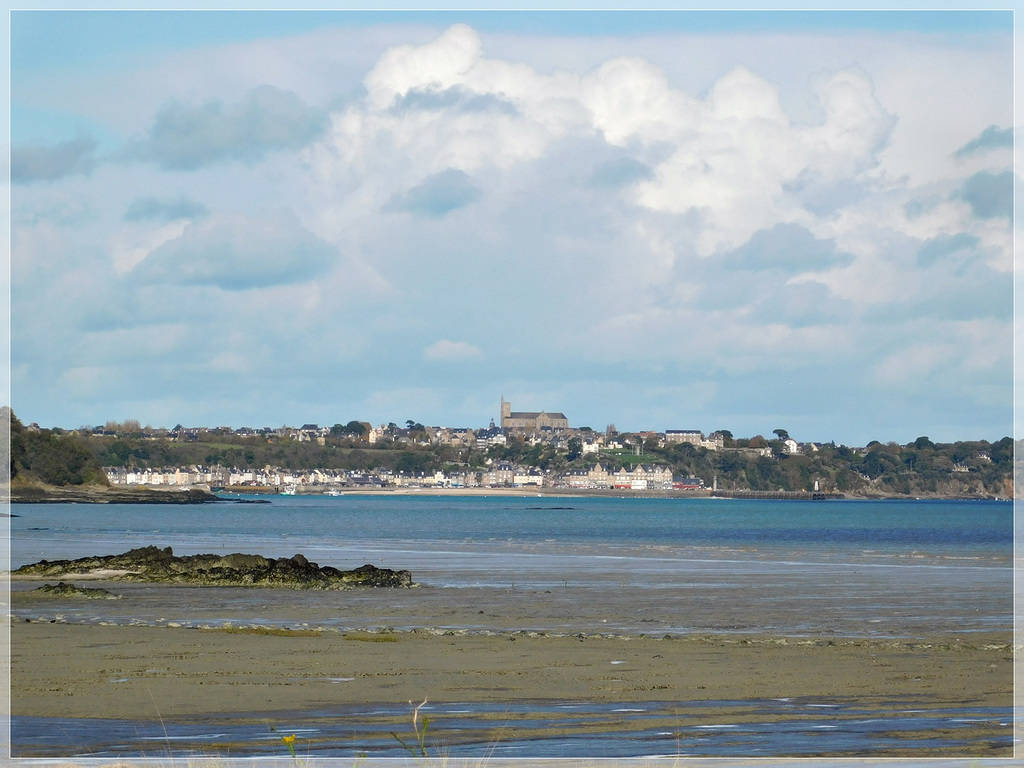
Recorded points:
290,490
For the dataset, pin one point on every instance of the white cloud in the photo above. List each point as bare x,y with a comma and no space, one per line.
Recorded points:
187,137
130,246
238,253
442,63
42,163
729,156
446,350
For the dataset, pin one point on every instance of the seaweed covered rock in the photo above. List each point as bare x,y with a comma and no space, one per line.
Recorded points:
152,564
63,589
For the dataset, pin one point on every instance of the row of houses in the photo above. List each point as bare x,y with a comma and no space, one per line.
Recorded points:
500,475
638,477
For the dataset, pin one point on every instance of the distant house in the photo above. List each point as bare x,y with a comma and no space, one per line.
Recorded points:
714,442
692,436
456,436
577,478
527,476
501,475
485,438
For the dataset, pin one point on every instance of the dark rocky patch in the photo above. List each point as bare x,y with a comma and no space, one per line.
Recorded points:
152,564
100,494
89,593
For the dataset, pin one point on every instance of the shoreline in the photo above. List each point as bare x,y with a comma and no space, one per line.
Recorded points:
35,494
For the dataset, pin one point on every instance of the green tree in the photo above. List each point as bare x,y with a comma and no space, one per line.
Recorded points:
120,451
52,458
575,449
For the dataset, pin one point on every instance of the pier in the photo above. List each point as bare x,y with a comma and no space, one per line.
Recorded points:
781,495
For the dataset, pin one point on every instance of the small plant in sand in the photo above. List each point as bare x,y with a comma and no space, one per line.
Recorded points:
420,730
288,741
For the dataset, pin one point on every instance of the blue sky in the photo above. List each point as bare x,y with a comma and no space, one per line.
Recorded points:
685,220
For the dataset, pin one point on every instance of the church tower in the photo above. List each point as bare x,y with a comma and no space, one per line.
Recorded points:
506,412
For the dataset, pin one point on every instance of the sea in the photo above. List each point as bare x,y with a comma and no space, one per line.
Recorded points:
615,566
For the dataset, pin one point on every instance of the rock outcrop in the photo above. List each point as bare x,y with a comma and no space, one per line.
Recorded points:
101,494
152,564
89,593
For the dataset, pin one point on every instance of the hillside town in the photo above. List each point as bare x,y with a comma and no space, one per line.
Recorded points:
525,450
531,428
551,430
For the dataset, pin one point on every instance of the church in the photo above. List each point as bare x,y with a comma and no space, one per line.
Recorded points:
530,421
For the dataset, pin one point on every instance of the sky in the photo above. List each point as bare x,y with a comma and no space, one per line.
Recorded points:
658,220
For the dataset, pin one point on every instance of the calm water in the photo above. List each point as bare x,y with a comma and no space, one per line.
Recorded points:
933,532
669,565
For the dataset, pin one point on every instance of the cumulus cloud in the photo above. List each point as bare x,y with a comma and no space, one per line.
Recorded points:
437,195
438,65
454,99
989,194
944,246
156,209
619,172
236,253
732,158
991,138
793,213
737,157
186,137
446,350
789,248
39,163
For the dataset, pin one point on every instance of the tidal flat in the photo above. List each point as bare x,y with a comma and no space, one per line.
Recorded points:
118,666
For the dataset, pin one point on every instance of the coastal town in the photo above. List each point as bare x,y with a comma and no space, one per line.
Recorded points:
533,429
525,451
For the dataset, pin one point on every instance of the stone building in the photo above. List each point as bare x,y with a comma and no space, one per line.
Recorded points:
530,421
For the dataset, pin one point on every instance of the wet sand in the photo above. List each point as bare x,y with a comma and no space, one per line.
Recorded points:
66,670
156,669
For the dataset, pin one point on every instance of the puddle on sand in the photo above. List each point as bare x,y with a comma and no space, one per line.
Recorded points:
541,730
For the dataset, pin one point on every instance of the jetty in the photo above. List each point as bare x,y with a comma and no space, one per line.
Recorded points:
780,495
